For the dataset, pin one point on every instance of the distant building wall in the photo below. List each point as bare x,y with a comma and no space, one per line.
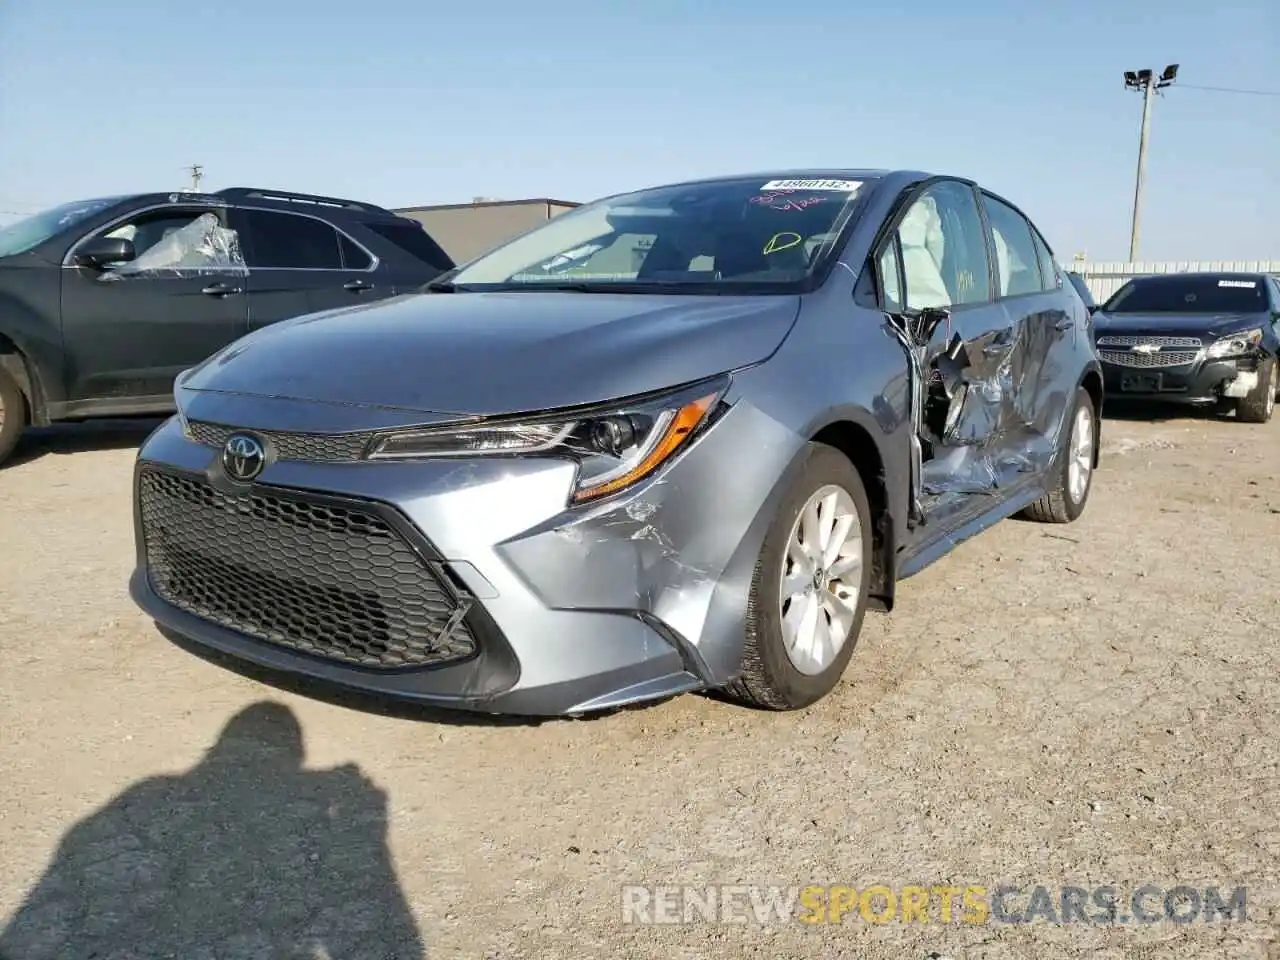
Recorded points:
466,230
1104,279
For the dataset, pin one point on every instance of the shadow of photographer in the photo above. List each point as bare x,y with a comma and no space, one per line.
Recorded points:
247,854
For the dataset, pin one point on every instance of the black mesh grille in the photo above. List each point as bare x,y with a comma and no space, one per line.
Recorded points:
334,581
320,447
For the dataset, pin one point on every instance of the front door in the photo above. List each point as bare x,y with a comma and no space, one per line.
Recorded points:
130,328
300,264
969,359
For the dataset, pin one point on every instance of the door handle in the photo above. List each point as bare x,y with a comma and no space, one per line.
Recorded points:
355,286
220,290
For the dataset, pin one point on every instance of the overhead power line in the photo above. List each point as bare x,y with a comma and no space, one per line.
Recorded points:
1252,93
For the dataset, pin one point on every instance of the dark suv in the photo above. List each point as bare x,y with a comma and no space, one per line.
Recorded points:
103,302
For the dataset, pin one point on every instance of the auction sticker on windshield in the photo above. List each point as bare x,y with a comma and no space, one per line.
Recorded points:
837,186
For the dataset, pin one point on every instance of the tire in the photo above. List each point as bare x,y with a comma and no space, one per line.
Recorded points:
1059,504
13,414
770,678
1258,406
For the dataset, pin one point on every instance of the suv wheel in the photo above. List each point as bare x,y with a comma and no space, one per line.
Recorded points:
1258,406
13,414
1073,479
808,594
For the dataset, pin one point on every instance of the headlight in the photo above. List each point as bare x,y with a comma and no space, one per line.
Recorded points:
1235,344
614,447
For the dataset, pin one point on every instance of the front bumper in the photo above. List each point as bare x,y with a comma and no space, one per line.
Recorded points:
1198,382
571,610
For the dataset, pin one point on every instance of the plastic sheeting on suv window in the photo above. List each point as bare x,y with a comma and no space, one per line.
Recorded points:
204,245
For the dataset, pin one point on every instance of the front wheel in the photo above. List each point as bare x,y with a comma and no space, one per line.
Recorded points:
1069,489
1260,402
809,591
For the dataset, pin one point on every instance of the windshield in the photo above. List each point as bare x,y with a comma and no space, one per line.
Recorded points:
34,230
1198,294
736,236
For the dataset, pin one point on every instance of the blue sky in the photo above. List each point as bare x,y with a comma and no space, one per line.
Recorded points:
402,103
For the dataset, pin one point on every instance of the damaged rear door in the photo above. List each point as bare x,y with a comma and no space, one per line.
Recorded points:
966,350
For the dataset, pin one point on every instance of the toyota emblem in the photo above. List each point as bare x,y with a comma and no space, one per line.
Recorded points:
243,457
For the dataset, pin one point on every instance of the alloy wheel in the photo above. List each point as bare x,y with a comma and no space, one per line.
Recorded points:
821,579
1080,451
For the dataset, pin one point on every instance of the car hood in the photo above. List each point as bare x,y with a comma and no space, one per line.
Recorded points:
1188,324
492,353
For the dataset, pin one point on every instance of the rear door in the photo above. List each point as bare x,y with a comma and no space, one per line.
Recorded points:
1043,319
300,264
131,328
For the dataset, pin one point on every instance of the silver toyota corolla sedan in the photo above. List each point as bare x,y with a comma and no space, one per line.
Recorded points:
673,440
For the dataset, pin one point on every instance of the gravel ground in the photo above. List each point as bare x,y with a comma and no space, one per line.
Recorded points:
1087,705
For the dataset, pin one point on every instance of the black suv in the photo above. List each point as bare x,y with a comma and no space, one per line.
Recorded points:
103,302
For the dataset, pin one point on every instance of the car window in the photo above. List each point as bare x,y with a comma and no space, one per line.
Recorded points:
149,229
944,249
890,282
1189,293
1049,273
354,257
1082,288
1017,265
289,241
755,235
168,247
32,231
415,241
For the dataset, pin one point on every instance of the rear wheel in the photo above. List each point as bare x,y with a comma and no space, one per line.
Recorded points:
1072,480
13,414
809,591
1260,403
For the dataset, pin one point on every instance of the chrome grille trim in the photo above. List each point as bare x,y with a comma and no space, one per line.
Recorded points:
1168,358
1110,340
313,447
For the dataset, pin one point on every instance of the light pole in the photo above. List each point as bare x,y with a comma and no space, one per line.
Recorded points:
1148,83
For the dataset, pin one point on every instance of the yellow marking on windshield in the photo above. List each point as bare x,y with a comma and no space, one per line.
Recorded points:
783,241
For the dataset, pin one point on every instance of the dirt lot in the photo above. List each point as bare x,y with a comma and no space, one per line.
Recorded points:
1085,705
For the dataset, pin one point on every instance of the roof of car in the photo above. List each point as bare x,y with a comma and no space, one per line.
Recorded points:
274,199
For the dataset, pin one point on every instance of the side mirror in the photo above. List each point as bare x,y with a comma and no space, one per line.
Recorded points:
103,250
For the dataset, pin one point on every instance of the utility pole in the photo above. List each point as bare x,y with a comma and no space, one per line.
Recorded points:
197,172
1147,82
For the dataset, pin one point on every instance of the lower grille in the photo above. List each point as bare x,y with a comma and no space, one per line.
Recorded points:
334,581
1167,358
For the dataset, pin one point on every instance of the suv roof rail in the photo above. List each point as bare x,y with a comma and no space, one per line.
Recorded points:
288,196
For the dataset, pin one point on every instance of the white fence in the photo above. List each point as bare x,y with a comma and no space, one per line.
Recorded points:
1104,279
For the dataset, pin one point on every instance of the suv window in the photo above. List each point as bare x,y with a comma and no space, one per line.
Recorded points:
414,241
944,249
354,257
1018,266
289,241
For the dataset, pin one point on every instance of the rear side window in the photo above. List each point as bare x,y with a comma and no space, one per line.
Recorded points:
1017,263
287,241
1048,269
353,255
415,241
1190,294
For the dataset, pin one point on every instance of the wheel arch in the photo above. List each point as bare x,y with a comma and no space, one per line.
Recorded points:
858,444
14,361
